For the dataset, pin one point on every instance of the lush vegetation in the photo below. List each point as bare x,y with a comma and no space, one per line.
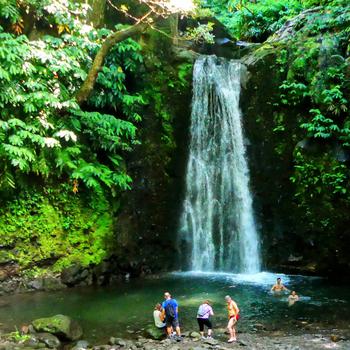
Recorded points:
316,82
43,130
253,20
50,227
64,164
61,164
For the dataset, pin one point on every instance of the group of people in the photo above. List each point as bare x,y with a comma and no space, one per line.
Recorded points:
166,315
280,287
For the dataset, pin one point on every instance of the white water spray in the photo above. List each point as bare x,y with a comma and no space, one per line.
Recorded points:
217,219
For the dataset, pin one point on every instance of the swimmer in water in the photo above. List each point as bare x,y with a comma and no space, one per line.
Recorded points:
279,287
293,297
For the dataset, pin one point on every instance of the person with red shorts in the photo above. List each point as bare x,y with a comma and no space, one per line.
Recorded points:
233,316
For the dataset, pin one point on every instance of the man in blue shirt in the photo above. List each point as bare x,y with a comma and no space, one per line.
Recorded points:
171,308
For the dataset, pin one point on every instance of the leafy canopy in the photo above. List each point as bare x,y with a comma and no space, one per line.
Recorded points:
43,131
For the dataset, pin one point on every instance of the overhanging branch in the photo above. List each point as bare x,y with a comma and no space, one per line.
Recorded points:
114,38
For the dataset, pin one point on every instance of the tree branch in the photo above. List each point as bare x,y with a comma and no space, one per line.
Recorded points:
114,38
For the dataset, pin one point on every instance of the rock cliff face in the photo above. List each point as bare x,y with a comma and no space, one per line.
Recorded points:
301,232
147,222
271,158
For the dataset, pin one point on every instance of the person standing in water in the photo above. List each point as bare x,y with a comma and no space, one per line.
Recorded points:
279,287
233,316
293,297
203,315
171,309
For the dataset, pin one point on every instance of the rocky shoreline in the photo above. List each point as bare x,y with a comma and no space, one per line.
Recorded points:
12,281
245,341
61,332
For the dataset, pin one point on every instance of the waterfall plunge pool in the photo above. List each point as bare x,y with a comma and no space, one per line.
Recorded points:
125,309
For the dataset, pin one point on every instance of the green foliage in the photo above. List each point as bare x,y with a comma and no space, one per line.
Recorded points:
43,131
61,164
16,336
256,20
320,126
54,12
9,10
184,74
315,177
57,227
316,77
322,191
163,83
253,21
314,69
110,90
201,34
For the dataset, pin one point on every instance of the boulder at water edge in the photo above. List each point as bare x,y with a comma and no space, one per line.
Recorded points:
154,333
60,325
48,339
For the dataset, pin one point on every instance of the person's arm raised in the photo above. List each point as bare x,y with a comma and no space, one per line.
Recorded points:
285,288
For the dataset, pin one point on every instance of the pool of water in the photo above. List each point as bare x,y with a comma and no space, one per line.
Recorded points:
126,309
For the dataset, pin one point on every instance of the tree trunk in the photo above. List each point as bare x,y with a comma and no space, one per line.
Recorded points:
174,28
97,13
114,38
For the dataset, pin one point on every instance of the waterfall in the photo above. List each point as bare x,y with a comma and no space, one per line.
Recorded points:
217,220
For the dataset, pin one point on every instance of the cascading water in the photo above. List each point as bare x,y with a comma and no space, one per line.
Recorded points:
217,220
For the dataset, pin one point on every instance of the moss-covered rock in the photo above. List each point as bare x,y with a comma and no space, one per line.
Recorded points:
54,228
6,257
60,325
154,333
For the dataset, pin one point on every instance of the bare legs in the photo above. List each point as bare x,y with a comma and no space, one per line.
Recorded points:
231,329
171,329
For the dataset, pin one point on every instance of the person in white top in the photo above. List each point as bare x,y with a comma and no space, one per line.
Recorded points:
158,317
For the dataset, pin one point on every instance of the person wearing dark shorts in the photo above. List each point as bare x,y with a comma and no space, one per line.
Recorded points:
203,314
170,307
171,321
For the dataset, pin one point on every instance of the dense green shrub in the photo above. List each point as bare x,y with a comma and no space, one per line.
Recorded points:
43,132
315,66
253,21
